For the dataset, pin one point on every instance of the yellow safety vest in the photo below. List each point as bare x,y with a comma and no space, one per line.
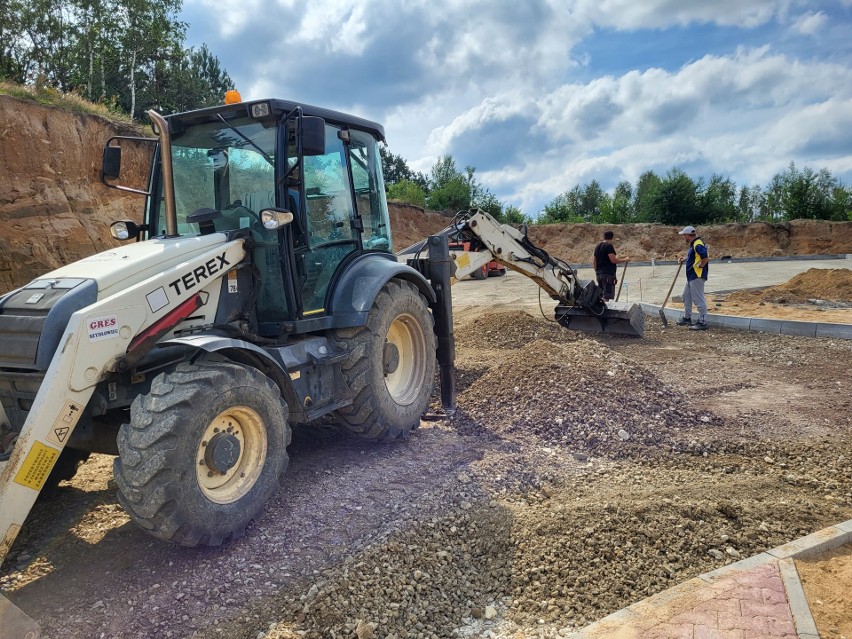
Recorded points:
696,265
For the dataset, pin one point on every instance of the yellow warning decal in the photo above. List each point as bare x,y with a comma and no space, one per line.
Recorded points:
463,260
37,466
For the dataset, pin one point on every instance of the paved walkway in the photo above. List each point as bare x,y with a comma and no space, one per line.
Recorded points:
758,598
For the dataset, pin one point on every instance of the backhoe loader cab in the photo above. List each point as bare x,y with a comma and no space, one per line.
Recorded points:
260,292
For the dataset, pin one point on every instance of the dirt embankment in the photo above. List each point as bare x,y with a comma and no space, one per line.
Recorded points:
575,242
54,209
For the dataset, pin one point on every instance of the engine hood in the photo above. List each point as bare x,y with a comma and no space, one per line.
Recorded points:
132,263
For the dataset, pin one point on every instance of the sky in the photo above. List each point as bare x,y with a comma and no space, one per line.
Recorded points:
543,95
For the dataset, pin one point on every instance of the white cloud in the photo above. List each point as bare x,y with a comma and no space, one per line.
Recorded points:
656,14
810,23
523,89
748,115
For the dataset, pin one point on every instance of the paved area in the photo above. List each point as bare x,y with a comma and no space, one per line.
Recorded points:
646,283
758,598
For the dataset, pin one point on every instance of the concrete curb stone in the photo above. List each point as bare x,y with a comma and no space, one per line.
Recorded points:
774,326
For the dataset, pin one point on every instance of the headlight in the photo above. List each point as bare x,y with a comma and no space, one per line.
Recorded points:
275,218
124,229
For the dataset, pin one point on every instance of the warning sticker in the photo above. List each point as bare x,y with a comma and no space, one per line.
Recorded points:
232,282
101,328
37,466
463,260
64,424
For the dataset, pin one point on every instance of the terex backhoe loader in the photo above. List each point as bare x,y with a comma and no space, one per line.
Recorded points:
260,291
264,293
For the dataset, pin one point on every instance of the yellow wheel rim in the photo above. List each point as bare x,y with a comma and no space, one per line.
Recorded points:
404,383
241,426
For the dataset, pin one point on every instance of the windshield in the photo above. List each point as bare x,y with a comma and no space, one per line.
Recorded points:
224,166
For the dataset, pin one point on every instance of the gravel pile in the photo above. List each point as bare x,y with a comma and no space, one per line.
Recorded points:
582,395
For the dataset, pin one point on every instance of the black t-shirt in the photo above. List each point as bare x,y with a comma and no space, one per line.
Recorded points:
603,263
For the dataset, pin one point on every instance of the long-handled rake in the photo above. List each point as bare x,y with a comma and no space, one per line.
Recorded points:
666,301
621,282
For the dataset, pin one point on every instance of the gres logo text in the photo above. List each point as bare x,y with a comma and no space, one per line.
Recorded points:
103,323
192,279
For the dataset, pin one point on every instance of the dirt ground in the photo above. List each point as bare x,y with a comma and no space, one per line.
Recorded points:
579,474
827,581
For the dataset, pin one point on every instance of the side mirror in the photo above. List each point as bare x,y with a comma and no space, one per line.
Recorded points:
313,135
111,168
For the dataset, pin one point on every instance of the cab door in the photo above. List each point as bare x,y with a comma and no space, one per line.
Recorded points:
330,216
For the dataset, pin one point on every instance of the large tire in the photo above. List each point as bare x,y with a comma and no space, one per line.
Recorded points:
480,273
203,452
391,365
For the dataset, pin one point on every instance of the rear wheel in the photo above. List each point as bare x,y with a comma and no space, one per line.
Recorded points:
203,452
391,365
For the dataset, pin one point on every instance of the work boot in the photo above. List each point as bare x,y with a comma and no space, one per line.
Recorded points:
699,326
684,321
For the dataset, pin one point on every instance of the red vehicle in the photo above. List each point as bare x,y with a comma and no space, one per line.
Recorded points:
492,269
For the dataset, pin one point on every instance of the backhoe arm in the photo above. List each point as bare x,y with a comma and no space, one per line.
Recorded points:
492,241
580,303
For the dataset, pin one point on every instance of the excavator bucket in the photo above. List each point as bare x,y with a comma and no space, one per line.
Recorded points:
14,624
619,318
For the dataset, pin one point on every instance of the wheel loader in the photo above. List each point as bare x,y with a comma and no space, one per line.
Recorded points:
259,290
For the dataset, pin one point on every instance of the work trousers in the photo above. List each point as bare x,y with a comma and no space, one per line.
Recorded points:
693,293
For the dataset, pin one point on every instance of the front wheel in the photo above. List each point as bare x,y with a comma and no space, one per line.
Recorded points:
205,449
391,365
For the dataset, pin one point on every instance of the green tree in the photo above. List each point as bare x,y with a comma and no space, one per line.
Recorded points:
489,203
804,194
563,209
408,192
593,202
449,189
841,203
513,215
676,200
395,169
194,79
452,196
717,201
150,35
645,197
12,49
621,209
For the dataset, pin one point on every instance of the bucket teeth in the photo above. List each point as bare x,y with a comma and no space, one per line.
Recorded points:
619,318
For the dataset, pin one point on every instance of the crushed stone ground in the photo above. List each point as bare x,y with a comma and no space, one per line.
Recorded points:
579,475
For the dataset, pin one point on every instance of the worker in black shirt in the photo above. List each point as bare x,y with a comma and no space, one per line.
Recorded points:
604,263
